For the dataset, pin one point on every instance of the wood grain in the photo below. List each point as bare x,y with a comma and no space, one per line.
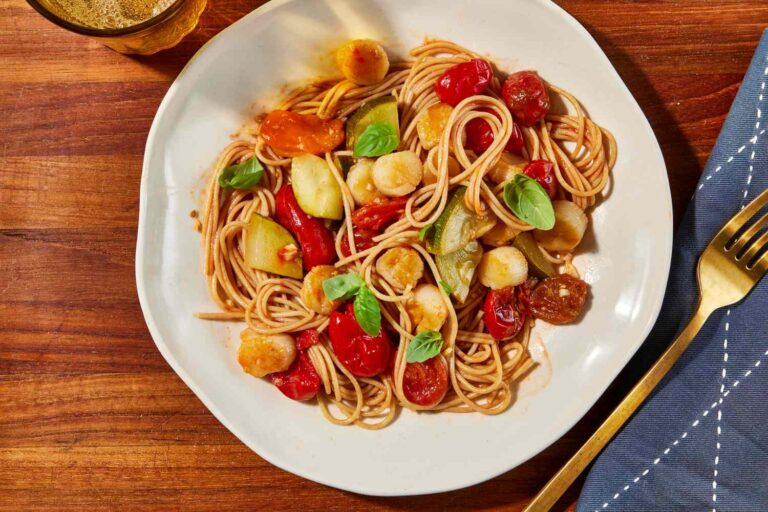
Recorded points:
91,417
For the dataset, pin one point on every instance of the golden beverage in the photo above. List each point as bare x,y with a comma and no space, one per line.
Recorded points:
108,13
128,26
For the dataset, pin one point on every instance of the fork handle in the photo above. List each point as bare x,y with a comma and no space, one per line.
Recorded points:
558,484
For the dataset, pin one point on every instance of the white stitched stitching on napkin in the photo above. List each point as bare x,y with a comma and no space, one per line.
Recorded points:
752,141
695,423
719,168
723,373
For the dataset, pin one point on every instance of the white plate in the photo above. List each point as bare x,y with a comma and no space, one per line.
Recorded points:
290,41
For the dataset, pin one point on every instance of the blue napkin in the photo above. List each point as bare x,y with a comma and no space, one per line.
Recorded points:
701,441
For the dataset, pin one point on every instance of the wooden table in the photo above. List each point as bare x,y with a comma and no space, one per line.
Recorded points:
90,414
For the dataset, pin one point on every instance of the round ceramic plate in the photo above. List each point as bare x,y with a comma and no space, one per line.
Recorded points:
625,259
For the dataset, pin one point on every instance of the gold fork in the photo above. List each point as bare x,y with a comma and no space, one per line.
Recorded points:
728,270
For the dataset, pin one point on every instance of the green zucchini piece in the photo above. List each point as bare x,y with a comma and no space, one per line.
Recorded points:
316,190
458,268
458,225
537,263
264,238
378,110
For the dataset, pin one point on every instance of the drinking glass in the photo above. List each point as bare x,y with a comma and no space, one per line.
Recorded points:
158,32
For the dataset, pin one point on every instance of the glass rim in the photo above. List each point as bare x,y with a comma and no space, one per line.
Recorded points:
106,32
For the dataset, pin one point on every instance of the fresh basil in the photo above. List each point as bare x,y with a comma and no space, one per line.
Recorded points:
377,139
446,287
367,311
365,306
343,287
424,231
242,176
423,346
530,202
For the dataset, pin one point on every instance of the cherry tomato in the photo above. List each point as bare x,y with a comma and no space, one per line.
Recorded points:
559,299
426,383
480,137
463,80
544,172
526,96
308,338
292,134
300,381
363,240
361,354
379,214
318,247
502,314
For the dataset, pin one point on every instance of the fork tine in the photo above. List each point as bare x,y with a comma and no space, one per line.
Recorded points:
747,235
754,248
741,218
761,266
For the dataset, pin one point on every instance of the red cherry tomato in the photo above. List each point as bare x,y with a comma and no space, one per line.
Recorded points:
480,137
291,134
308,338
544,172
559,299
318,246
379,214
426,383
300,381
363,240
463,80
361,354
526,96
502,314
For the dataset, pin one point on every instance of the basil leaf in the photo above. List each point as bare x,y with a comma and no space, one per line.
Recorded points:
377,139
425,230
530,202
342,287
425,345
243,175
446,287
367,311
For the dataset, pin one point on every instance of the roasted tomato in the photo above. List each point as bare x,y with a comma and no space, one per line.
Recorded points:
463,80
363,240
292,134
559,299
544,172
526,96
426,383
480,137
300,381
317,243
524,295
361,354
379,214
308,338
502,314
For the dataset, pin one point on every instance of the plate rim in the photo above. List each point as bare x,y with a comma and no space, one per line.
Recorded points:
263,451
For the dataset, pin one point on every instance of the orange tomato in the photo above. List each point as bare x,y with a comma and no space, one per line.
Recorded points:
292,134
